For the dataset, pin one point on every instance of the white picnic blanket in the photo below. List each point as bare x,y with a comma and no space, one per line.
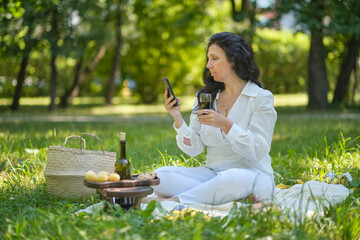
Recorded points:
299,201
310,198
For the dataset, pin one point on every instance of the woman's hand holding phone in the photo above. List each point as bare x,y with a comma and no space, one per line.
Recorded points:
173,110
170,102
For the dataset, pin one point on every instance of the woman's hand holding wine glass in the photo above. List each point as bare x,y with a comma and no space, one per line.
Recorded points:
207,116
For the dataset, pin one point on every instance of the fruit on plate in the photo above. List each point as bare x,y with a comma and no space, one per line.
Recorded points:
114,177
102,177
103,172
90,176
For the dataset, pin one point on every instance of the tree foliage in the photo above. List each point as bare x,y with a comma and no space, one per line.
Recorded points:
167,42
329,18
159,38
281,57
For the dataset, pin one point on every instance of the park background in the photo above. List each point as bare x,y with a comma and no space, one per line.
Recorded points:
68,67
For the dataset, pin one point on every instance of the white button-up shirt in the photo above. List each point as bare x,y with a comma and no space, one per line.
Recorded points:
247,144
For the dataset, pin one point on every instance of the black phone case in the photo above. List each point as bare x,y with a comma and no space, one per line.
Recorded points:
167,85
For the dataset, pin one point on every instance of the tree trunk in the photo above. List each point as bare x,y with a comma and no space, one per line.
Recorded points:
53,82
54,49
80,77
29,44
237,15
66,98
115,69
317,77
20,80
355,83
317,83
347,65
247,13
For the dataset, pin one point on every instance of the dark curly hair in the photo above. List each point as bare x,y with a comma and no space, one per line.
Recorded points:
238,52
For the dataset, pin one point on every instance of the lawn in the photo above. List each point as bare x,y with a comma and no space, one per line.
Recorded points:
306,145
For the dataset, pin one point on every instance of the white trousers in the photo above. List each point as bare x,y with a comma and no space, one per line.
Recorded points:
204,185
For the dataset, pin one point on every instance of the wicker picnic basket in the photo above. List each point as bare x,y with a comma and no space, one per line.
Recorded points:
66,167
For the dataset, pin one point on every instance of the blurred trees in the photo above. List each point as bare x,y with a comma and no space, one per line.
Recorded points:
282,58
118,7
154,39
345,21
326,18
21,30
65,48
244,12
57,33
92,41
170,42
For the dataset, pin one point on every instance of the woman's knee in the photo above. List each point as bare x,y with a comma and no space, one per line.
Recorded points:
163,171
235,175
247,181
230,177
165,174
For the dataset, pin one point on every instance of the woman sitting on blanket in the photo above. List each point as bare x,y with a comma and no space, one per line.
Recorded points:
237,132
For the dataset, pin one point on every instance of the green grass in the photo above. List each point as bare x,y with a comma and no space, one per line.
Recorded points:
305,146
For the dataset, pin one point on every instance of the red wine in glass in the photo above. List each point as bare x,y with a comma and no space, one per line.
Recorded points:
205,100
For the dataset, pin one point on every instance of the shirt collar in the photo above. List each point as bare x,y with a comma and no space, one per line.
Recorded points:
250,89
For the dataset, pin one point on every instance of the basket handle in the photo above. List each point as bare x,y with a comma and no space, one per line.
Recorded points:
81,137
74,137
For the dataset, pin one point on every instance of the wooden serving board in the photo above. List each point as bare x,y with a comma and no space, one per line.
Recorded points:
133,182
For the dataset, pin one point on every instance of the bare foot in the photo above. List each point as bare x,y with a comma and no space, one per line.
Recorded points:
252,198
259,205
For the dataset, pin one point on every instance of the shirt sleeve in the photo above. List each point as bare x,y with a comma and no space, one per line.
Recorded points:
254,142
191,132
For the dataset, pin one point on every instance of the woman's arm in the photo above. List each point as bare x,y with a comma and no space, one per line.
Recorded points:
187,138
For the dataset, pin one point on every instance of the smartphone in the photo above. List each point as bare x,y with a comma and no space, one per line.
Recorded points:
167,86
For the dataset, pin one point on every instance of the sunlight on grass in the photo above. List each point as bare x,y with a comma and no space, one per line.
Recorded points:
299,99
96,106
125,109
26,101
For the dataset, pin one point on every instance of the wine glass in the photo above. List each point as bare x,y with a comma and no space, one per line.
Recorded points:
205,100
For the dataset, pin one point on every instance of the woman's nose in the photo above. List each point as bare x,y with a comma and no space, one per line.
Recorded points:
208,65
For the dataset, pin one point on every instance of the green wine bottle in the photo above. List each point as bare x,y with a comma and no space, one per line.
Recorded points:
122,165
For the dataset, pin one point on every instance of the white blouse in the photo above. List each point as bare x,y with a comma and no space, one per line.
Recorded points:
247,144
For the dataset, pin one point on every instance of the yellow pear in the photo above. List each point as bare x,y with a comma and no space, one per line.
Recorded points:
90,176
114,177
103,172
101,178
